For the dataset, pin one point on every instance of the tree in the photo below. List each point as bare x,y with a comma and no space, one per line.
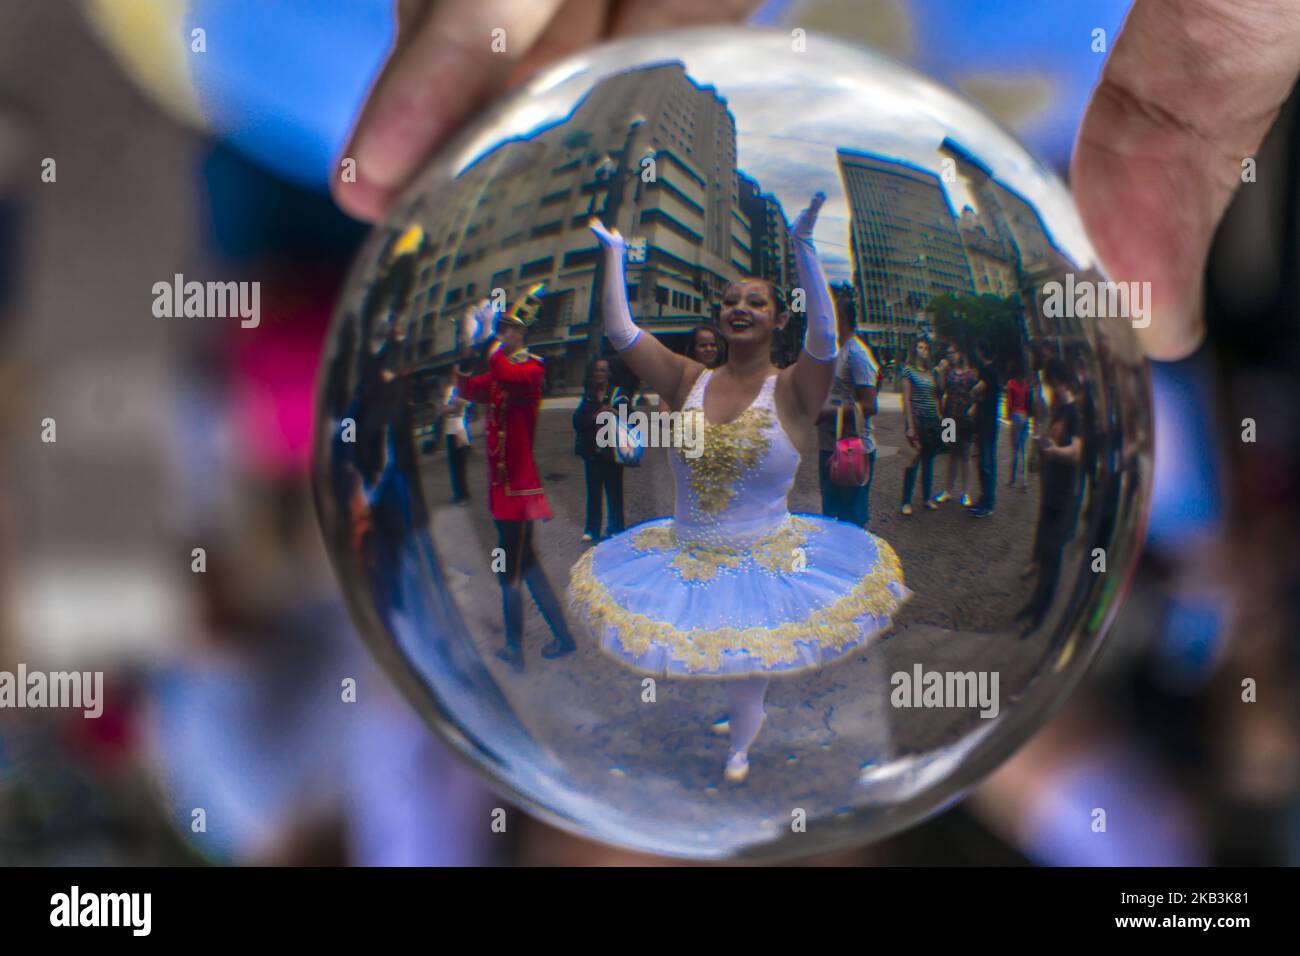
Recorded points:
965,319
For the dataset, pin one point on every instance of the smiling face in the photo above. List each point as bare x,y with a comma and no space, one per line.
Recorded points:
706,347
750,313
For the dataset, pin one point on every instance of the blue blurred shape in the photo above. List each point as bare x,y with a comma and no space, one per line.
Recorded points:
251,213
1005,37
283,81
1044,44
1186,497
1110,806
1189,642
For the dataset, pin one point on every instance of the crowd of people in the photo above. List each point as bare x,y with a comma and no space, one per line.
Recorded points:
1169,691
638,591
953,402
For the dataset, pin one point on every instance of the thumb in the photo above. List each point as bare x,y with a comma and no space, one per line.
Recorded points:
448,58
1189,92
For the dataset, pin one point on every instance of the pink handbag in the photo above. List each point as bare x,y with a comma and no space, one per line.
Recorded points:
848,464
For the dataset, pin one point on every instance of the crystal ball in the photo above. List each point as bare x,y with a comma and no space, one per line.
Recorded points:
731,447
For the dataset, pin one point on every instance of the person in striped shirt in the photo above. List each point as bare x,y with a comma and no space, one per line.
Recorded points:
921,420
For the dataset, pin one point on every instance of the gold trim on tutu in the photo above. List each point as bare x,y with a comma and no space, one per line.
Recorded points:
833,627
700,559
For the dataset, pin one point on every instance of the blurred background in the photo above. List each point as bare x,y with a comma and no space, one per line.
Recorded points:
222,688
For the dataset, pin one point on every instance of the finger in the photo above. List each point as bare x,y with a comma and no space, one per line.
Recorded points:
441,69
576,26
361,199
1189,92
641,16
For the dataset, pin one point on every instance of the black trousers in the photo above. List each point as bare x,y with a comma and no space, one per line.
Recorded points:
515,538
1056,525
604,477
457,455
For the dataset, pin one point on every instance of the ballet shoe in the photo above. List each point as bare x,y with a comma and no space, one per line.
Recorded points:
738,762
737,768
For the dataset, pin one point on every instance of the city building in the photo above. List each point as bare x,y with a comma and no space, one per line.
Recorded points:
992,260
649,152
1018,244
772,255
905,245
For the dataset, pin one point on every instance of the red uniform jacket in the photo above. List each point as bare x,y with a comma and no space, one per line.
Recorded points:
511,389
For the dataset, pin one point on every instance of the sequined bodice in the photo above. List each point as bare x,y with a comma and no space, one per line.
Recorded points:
736,488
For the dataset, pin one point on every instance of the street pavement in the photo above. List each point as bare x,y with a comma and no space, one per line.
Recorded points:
831,736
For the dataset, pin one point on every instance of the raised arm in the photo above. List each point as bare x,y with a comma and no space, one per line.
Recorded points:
647,357
477,324
476,327
811,374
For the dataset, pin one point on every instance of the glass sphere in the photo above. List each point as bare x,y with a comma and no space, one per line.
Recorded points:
791,625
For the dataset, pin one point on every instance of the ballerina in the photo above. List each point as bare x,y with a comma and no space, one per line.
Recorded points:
733,586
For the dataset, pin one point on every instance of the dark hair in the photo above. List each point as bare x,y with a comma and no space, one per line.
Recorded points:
718,339
587,376
1055,371
912,356
982,348
620,376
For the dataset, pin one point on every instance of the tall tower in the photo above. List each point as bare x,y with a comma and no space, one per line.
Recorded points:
904,241
649,151
1009,222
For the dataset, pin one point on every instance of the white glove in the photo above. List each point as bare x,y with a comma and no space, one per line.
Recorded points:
619,327
819,338
802,227
479,323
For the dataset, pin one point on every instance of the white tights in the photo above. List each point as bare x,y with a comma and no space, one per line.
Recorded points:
745,711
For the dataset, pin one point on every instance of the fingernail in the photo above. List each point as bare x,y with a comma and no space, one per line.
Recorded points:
362,200
389,150
378,166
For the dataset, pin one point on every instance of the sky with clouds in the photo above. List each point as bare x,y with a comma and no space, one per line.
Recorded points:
792,111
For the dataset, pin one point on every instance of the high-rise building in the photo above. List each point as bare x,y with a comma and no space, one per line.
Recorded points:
650,152
992,259
904,241
1002,211
1017,231
772,256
